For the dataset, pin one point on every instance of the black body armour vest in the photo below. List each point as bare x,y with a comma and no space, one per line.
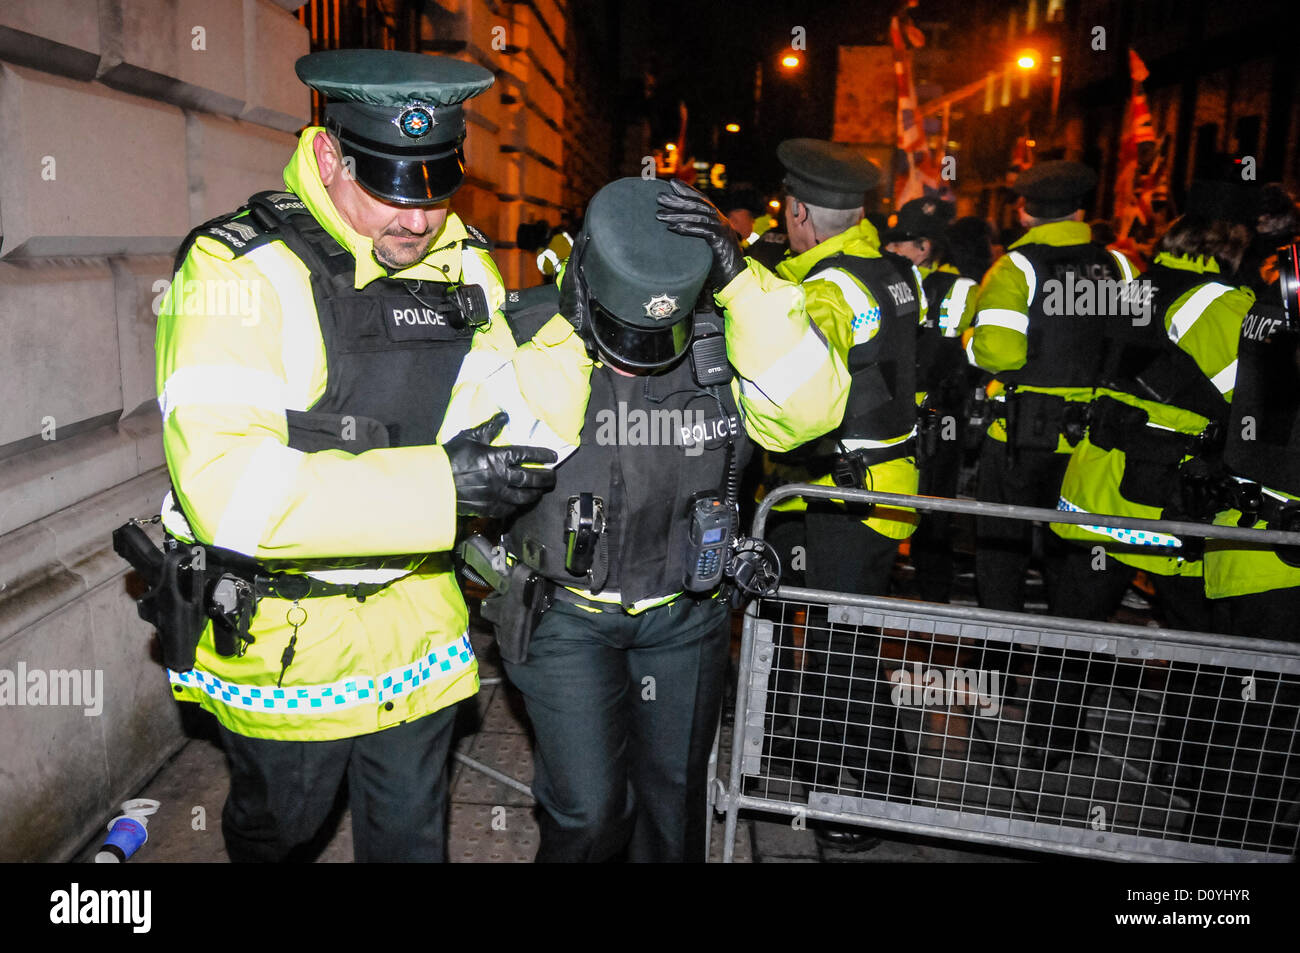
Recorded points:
391,358
882,397
1263,442
1065,350
940,361
1141,360
649,443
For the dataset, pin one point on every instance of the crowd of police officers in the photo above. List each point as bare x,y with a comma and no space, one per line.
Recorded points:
322,455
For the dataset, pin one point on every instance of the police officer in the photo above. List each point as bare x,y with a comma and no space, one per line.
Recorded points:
1154,411
871,302
918,233
621,662
1257,590
1046,358
330,426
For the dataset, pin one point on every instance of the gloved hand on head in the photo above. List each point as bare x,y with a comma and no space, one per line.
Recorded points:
687,212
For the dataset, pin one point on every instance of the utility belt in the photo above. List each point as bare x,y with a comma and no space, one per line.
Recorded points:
1037,421
716,559
192,585
849,469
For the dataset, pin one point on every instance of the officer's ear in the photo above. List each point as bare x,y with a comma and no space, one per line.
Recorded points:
328,159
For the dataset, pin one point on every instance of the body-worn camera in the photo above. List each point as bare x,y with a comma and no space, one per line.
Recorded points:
462,306
583,526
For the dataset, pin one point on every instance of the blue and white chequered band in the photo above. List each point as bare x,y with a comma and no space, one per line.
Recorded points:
345,693
1130,537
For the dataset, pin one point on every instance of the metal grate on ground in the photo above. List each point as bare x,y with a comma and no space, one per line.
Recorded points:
1020,730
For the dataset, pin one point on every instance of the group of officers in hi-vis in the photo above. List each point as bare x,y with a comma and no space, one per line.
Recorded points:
329,455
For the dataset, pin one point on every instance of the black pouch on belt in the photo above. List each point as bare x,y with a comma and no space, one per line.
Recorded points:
516,611
1034,420
1151,456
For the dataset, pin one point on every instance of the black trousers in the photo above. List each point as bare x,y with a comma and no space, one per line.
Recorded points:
1003,547
1274,614
843,719
624,709
931,547
281,792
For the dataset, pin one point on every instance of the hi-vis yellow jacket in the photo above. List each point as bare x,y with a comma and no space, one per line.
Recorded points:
1000,336
1205,321
226,377
848,324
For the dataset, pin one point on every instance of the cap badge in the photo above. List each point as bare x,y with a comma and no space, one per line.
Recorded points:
660,306
415,121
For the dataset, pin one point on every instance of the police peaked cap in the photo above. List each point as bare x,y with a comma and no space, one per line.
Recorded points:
920,218
644,278
827,174
1055,188
398,116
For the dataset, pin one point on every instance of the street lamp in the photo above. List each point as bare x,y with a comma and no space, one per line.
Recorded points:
732,127
1027,59
789,61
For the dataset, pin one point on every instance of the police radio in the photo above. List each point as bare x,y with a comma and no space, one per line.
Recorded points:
713,523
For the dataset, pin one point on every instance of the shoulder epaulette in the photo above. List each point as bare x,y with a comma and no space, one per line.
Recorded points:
476,237
239,230
527,310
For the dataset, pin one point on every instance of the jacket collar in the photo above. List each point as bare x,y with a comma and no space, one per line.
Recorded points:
1184,263
860,240
302,177
1056,233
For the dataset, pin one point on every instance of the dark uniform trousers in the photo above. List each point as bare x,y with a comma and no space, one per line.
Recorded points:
624,709
281,792
843,719
1003,547
931,544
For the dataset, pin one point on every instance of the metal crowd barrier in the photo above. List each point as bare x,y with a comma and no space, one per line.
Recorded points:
1014,729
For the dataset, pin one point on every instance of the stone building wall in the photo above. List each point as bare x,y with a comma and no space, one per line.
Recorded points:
123,123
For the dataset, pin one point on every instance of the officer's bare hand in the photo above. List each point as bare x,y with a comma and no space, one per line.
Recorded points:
687,212
493,481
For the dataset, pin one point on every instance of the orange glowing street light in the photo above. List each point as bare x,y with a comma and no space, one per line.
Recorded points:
1027,59
732,127
789,61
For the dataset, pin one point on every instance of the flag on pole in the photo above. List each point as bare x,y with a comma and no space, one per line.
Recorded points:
1138,128
920,173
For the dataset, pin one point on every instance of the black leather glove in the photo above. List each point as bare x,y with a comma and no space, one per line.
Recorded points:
573,292
687,212
492,481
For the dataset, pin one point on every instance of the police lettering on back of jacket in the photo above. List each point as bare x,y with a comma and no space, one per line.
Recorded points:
321,450
609,609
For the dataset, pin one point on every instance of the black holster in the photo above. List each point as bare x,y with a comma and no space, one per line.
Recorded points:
516,610
174,604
